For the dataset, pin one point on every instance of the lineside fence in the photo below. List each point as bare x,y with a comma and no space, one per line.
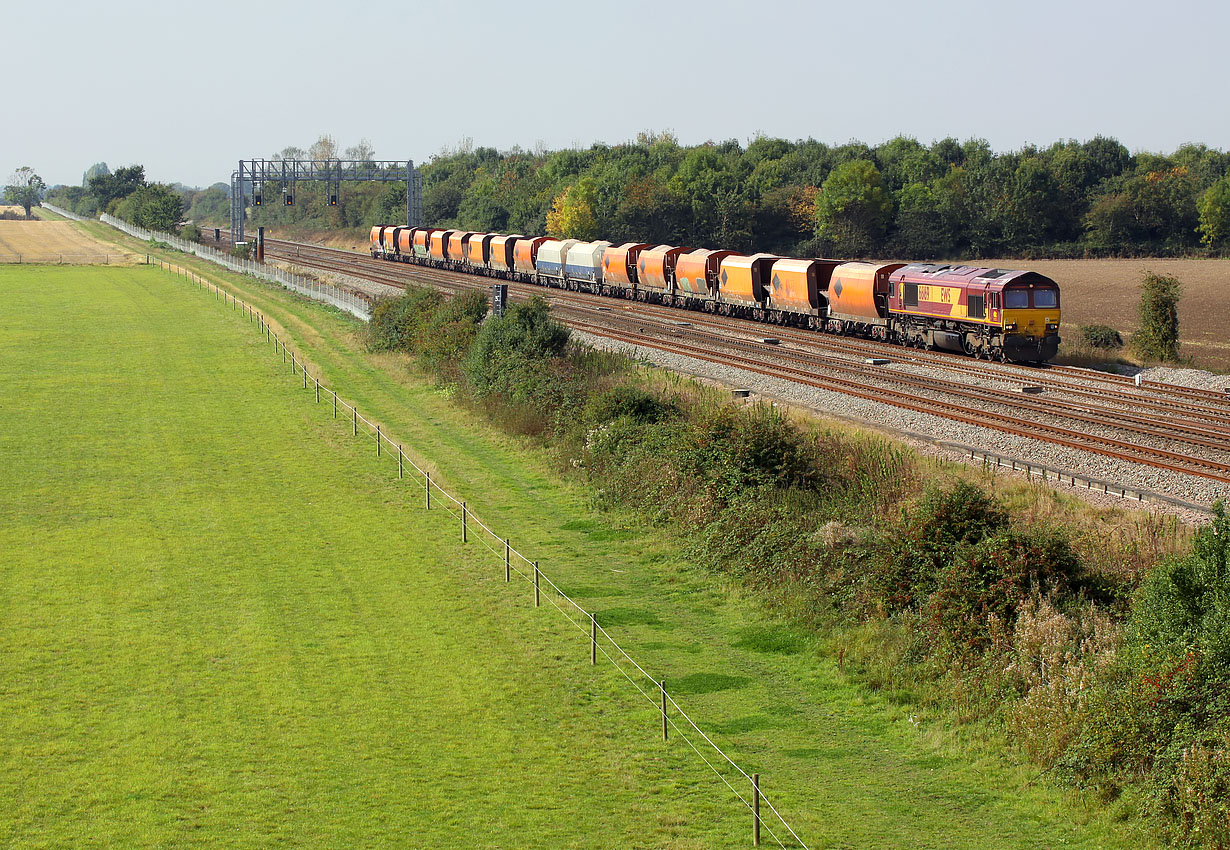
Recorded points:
65,213
342,299
599,642
72,259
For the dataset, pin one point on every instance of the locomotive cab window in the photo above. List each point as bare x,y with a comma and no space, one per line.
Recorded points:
1046,297
1016,299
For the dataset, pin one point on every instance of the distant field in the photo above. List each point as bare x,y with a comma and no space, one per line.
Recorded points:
57,242
1108,292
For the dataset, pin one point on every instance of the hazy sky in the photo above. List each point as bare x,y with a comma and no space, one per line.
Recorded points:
188,89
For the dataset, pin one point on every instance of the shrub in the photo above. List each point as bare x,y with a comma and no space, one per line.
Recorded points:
1164,714
446,333
983,586
397,323
243,252
190,232
627,400
1101,336
1158,337
511,354
941,522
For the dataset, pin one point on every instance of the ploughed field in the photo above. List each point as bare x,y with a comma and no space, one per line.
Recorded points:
227,624
1108,292
58,242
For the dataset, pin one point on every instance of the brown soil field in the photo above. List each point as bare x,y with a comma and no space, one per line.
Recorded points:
1107,292
57,242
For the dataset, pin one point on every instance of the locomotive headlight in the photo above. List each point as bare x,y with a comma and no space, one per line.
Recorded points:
1011,326
1052,326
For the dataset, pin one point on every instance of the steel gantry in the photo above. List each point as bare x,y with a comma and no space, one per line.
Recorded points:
248,181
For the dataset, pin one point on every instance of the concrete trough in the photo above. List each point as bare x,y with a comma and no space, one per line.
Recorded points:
770,340
1031,389
740,393
876,361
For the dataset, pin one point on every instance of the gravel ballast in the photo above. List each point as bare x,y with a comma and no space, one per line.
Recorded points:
919,429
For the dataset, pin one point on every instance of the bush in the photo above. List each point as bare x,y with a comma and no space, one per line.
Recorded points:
446,333
1101,336
1165,713
1158,337
190,232
626,400
981,589
511,354
397,323
243,252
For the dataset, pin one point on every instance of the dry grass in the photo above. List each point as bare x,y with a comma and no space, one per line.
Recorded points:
57,242
1108,292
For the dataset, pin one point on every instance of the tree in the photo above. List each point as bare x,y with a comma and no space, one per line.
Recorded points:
154,207
572,214
1214,209
853,208
1158,337
25,188
323,148
121,184
93,171
362,152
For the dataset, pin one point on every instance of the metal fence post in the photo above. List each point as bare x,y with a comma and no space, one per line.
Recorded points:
317,390
536,591
377,441
427,489
593,639
507,563
334,403
356,419
399,462
662,686
755,809
464,529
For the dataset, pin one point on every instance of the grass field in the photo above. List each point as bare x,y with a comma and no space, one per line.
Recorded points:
58,242
226,625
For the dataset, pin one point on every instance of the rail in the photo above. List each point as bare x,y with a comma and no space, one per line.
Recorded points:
651,687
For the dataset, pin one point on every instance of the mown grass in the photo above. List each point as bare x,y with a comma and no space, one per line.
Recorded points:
350,662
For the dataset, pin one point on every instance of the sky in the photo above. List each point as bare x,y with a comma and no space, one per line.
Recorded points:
188,89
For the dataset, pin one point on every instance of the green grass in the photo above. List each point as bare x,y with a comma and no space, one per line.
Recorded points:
226,624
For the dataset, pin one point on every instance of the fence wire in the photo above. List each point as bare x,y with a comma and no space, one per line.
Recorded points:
459,510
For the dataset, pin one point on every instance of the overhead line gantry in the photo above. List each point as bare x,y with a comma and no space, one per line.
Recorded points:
248,182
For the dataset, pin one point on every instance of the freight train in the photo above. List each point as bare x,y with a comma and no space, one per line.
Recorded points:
996,314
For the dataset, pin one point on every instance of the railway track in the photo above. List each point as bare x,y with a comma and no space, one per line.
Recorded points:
1178,429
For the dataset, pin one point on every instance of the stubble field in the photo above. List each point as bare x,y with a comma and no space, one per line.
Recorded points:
58,242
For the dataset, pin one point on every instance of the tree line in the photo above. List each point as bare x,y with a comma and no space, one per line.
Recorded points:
901,198
126,194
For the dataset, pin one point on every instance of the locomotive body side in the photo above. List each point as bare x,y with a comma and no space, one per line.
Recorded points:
995,313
